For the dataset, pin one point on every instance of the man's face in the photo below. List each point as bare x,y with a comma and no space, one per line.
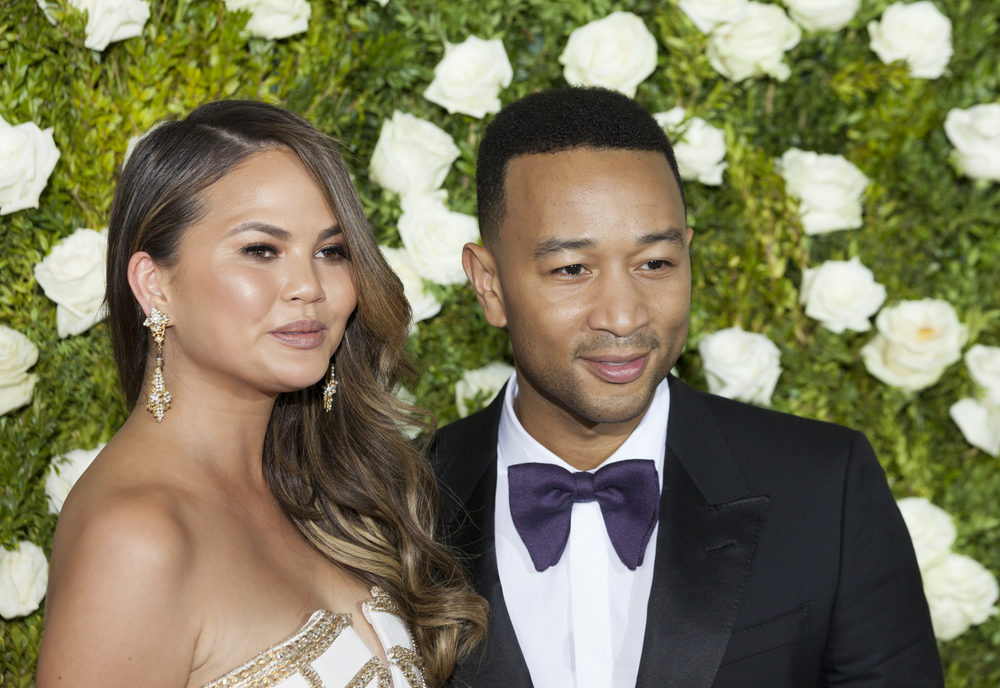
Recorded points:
594,278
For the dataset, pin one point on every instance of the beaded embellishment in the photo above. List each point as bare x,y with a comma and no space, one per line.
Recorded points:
372,669
380,602
290,657
410,663
296,655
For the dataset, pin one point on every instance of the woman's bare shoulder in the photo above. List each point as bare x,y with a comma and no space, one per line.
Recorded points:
120,507
121,588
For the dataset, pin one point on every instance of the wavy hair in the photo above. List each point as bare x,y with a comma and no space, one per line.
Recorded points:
352,483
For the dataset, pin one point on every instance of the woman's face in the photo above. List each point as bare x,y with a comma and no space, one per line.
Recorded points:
263,287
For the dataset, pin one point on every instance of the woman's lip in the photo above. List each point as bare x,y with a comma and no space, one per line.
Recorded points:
304,325
618,372
301,340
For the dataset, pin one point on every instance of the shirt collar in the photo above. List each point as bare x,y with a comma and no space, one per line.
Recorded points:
647,441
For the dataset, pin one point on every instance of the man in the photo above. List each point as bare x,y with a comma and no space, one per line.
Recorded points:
626,529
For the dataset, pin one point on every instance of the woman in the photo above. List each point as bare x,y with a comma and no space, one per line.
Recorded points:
259,519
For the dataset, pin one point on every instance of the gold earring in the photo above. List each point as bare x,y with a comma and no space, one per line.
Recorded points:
159,397
329,389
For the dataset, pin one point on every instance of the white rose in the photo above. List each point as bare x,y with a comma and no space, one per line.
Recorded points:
27,157
423,304
63,473
741,365
841,294
112,20
961,593
823,15
983,363
979,421
435,236
916,341
700,148
708,14
45,10
483,383
17,354
412,155
917,33
24,577
931,529
274,19
975,133
617,52
755,44
469,78
828,188
73,275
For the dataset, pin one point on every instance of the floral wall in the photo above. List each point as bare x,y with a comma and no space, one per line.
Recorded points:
842,160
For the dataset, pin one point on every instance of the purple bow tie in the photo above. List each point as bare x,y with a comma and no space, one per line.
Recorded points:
542,497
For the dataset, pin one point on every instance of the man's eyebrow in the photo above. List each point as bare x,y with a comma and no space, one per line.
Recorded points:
553,246
671,235
549,247
276,232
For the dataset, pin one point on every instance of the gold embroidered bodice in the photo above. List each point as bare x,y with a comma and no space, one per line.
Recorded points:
327,653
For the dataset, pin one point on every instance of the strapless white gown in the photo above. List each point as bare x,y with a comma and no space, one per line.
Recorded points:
327,653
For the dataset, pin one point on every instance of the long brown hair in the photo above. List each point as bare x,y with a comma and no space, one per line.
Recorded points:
353,484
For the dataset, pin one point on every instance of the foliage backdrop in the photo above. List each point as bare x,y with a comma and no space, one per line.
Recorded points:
927,232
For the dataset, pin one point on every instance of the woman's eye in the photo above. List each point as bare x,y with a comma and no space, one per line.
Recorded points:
333,252
261,251
571,270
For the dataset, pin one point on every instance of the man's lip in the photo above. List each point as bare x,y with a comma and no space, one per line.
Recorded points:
616,357
299,327
617,368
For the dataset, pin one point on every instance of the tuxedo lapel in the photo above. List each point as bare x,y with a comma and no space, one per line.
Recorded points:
709,526
467,470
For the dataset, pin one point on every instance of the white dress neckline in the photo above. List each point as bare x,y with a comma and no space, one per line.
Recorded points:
328,653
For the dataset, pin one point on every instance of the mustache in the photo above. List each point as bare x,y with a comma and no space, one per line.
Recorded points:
607,343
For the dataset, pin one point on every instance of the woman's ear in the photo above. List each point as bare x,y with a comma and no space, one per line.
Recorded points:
144,277
481,269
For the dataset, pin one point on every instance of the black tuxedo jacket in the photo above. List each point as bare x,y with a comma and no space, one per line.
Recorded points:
781,558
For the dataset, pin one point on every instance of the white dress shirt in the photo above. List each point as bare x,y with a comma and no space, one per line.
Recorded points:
581,622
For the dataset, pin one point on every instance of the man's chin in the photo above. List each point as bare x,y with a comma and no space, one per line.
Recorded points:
605,411
606,402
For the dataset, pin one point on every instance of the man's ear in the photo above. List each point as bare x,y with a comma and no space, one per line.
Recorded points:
690,233
481,268
146,280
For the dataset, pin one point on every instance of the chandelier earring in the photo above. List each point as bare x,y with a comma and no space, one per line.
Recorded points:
330,388
159,397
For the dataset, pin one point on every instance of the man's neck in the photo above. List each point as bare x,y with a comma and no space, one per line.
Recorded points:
581,443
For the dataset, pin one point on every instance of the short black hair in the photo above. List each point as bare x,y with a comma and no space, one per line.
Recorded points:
558,120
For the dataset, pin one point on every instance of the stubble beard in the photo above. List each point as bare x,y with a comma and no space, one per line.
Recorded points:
560,386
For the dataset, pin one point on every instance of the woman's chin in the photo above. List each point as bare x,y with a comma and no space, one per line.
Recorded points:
287,384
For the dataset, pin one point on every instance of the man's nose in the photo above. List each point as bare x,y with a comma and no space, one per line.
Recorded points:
618,304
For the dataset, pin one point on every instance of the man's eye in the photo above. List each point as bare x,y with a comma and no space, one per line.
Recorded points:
262,251
571,270
656,264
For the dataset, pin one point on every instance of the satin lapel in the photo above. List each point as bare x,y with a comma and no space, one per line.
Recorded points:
709,526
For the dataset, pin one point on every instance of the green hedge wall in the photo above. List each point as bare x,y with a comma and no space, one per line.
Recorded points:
928,232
